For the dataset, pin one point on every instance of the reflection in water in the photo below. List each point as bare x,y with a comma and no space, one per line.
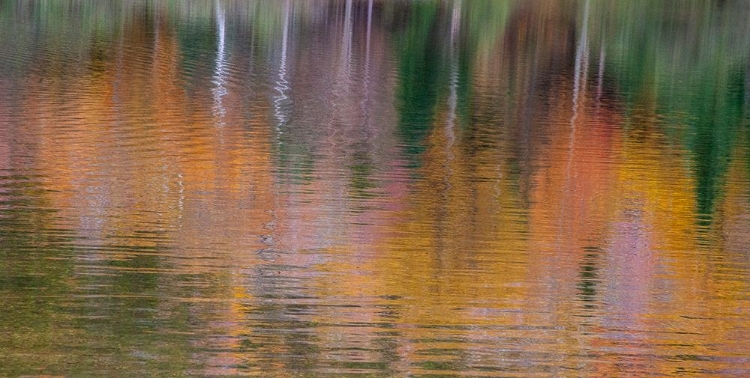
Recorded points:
220,72
282,85
453,84
451,191
346,50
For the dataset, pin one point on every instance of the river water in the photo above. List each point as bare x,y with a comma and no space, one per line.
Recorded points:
377,188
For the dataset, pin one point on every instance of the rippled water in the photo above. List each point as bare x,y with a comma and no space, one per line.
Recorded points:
400,188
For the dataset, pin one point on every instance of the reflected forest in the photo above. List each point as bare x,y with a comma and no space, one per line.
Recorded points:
338,188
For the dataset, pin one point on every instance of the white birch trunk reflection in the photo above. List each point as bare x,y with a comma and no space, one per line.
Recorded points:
282,84
365,104
450,123
579,82
220,70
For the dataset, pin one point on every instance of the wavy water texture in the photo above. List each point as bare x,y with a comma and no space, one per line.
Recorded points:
377,188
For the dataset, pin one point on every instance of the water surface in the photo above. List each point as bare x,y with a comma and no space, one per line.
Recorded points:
380,188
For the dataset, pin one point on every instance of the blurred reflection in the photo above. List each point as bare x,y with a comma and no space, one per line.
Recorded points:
220,72
368,187
282,84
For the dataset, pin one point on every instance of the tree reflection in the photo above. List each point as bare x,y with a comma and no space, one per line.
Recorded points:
396,188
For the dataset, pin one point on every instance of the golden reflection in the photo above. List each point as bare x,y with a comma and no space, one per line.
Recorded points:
284,223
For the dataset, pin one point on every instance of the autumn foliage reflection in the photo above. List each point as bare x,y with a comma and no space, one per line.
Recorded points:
398,188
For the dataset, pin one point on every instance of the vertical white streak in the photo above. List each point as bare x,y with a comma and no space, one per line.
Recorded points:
579,83
367,43
366,100
579,78
220,69
453,78
581,51
347,42
450,123
281,83
369,31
